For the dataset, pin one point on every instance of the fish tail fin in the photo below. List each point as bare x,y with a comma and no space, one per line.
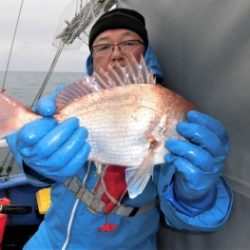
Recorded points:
13,115
138,177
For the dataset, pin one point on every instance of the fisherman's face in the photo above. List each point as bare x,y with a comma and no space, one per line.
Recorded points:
108,55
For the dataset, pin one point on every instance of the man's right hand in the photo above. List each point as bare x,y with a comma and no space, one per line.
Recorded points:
56,151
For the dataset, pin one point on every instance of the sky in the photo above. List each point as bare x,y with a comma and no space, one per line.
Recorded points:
33,49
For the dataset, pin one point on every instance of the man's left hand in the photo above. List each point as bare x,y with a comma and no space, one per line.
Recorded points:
198,160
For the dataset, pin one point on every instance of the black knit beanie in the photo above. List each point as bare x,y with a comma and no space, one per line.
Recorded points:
117,19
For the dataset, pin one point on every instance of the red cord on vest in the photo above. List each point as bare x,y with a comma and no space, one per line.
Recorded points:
115,184
108,227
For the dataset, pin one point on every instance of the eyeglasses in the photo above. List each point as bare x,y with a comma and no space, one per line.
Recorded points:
124,46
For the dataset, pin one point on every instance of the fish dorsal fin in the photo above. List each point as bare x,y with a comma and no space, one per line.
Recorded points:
86,85
132,73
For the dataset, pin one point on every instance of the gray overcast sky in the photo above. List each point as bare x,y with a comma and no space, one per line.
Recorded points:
33,49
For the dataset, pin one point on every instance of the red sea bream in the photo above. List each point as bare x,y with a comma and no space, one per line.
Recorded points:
128,118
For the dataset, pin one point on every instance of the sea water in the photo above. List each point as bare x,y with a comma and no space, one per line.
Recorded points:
24,86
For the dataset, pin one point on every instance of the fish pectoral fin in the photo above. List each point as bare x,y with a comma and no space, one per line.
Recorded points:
137,177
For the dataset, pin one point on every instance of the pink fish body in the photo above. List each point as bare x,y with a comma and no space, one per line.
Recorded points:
127,124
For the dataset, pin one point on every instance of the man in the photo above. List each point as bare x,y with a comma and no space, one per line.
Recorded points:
85,213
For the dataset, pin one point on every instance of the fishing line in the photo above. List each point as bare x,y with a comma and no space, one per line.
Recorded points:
11,47
50,71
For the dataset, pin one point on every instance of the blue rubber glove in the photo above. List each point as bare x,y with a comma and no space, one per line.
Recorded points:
55,151
199,161
46,106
